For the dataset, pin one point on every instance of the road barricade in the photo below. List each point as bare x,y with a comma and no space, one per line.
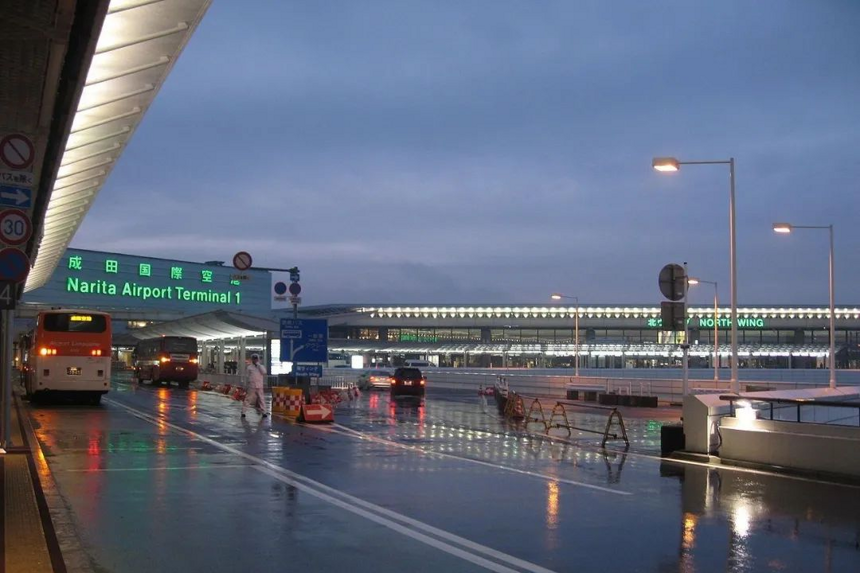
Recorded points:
287,401
559,419
317,413
514,407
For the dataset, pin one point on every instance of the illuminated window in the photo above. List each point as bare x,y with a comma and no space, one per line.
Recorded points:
76,263
144,270
206,276
176,273
111,266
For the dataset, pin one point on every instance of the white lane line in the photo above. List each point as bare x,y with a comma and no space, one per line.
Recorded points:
379,514
441,545
157,469
364,436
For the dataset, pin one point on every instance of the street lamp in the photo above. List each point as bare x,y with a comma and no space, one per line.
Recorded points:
558,296
786,228
694,281
671,164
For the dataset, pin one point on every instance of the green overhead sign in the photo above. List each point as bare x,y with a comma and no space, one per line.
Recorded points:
195,286
747,323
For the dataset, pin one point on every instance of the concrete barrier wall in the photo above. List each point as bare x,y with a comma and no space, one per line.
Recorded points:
552,382
810,447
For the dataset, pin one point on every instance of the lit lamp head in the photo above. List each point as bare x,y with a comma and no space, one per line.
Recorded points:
665,164
784,228
556,296
692,281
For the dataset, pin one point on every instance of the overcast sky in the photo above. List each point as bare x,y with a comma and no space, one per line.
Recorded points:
494,152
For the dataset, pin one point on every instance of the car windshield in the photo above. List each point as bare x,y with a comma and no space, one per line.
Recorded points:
409,373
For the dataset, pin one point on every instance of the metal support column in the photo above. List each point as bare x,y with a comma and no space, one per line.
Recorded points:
6,440
240,365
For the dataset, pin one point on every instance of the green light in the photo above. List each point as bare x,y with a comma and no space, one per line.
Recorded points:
145,270
76,263
111,266
176,273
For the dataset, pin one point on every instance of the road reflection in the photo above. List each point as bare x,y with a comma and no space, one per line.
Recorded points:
772,523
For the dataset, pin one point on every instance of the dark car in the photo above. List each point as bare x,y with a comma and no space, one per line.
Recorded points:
407,382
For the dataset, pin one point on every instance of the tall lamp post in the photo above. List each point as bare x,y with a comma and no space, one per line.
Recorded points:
694,281
786,228
559,296
670,164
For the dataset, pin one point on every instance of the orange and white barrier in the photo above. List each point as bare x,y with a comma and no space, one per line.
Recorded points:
287,401
206,385
317,413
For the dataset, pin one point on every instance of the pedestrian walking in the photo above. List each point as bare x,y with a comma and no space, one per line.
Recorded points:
255,376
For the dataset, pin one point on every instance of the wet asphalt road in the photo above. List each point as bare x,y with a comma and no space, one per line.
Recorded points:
166,479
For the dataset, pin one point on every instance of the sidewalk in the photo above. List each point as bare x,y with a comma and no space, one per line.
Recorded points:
29,543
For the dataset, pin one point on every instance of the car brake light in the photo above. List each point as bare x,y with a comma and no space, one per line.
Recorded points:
423,381
193,361
44,351
96,352
165,359
392,380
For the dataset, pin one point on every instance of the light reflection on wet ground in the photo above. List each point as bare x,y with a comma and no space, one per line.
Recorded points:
450,462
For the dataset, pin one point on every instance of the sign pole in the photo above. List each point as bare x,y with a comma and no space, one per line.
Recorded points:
686,345
7,379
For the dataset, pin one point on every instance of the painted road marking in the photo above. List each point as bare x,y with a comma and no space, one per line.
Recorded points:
156,469
386,517
356,434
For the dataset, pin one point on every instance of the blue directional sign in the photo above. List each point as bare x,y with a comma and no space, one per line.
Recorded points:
313,370
21,197
304,340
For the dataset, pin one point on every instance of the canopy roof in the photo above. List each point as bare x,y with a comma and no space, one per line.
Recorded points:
138,44
216,325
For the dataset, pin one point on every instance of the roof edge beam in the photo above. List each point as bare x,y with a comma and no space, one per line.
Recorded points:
101,163
132,112
113,147
137,92
132,6
162,61
101,173
180,27
125,130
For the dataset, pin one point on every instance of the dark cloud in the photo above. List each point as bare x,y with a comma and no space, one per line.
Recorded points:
497,151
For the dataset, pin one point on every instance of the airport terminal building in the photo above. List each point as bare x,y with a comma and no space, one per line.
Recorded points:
226,309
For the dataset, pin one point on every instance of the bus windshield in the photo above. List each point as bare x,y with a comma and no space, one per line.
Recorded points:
184,345
74,322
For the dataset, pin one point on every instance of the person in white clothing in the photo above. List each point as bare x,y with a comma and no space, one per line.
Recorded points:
255,376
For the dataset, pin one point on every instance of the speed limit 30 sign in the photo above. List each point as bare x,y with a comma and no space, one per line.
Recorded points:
15,227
